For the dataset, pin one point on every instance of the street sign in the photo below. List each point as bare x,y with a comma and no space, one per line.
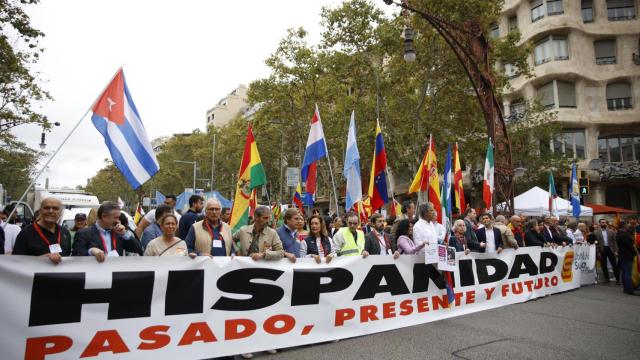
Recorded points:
293,176
584,186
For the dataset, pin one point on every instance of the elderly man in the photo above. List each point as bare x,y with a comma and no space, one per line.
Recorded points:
349,241
427,230
107,237
211,236
506,235
515,225
45,237
288,233
258,240
150,217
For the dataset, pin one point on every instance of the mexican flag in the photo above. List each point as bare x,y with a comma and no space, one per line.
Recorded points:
488,187
251,176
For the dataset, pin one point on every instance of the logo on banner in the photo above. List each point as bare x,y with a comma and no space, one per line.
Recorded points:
567,267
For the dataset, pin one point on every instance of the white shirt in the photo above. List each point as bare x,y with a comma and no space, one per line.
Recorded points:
11,232
570,234
383,245
491,241
605,237
578,237
424,231
151,216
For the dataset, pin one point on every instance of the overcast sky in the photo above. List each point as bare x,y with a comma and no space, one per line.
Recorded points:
180,59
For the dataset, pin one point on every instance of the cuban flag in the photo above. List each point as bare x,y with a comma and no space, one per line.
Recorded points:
316,150
117,119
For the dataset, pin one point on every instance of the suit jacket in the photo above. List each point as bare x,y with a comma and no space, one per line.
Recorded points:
532,238
611,240
557,238
372,244
89,237
268,242
482,237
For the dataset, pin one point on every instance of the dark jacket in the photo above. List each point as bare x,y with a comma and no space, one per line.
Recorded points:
482,237
558,237
312,247
533,238
372,244
626,251
89,237
186,220
289,243
29,242
471,243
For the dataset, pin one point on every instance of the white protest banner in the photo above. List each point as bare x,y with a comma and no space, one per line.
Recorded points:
176,307
446,258
431,253
585,263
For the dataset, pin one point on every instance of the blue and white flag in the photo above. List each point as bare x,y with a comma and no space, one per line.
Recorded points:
446,191
574,192
117,119
352,167
316,150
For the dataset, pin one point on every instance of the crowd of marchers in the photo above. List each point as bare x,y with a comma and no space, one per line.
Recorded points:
204,231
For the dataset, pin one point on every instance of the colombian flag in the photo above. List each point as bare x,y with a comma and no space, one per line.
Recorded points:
457,181
427,179
378,181
251,176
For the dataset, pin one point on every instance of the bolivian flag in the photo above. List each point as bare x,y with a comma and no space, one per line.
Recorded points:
251,176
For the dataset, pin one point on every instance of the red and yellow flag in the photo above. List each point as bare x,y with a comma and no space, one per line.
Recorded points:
427,178
457,181
250,176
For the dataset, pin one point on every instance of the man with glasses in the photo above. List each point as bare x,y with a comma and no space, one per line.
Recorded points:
349,241
45,237
258,240
210,236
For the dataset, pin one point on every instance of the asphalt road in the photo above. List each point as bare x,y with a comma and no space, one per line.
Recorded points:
595,322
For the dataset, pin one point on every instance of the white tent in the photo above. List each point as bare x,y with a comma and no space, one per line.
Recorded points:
535,202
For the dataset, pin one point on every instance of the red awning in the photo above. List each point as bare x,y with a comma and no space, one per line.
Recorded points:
604,209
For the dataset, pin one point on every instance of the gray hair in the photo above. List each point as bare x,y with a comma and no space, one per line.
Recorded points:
501,219
212,201
261,211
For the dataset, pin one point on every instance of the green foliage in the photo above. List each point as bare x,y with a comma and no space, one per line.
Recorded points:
109,184
19,87
18,164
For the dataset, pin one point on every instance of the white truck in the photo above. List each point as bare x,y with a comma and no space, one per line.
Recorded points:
74,201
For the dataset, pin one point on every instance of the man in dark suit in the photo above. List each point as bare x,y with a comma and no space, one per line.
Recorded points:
107,237
627,253
608,249
551,233
488,236
378,242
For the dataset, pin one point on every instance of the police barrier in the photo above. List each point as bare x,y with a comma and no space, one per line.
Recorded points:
149,307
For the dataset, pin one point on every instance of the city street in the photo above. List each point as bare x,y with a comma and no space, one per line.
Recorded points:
595,322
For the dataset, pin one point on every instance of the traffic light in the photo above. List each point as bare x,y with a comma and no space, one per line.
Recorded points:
584,186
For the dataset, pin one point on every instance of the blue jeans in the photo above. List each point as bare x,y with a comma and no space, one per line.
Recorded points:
626,267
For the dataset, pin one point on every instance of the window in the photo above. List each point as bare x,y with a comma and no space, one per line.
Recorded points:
605,51
513,23
510,71
570,143
557,94
587,10
553,47
554,7
495,31
619,148
566,94
618,10
619,96
537,10
545,94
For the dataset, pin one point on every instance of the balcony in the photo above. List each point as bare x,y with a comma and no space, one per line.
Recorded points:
619,104
606,60
621,13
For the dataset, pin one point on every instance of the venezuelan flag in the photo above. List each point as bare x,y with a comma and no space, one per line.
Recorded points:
378,180
251,176
457,181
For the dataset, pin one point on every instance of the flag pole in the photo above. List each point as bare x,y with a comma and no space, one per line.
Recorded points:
333,182
61,145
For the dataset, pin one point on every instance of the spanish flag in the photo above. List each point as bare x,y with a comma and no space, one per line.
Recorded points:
427,179
139,214
457,181
251,176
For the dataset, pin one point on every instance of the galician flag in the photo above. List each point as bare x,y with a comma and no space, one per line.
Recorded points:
351,169
250,176
457,181
378,181
553,195
574,192
117,119
316,150
488,185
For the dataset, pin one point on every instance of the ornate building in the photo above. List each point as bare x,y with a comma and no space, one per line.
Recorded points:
586,67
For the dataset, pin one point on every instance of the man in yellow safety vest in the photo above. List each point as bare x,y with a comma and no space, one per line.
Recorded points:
349,241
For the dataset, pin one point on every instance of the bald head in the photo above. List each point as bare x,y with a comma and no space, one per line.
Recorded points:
50,211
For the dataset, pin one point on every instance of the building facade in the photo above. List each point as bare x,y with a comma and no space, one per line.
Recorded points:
229,107
586,67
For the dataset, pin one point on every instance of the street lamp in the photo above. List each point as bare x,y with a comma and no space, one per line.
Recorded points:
194,171
43,144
